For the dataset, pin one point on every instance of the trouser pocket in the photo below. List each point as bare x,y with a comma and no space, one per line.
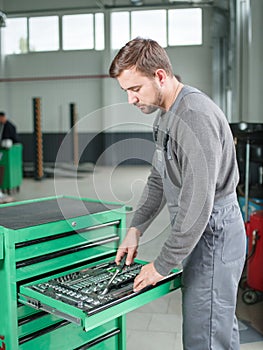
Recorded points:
234,236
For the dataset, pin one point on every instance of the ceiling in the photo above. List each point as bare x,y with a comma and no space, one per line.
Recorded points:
156,3
147,3
29,6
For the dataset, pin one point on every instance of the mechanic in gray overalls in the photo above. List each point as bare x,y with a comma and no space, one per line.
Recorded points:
195,173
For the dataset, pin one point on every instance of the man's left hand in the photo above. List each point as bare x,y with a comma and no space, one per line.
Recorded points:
148,276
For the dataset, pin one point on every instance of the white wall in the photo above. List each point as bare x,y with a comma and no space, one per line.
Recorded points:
56,94
193,64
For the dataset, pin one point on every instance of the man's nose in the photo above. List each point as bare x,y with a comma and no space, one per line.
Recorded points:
132,98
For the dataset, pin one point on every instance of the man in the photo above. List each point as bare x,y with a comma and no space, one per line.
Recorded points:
7,129
195,172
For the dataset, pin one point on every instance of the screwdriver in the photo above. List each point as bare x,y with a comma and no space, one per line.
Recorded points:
119,268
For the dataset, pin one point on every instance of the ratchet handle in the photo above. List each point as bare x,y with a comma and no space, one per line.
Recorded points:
122,263
118,270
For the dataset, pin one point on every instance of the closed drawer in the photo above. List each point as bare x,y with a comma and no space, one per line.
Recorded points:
67,336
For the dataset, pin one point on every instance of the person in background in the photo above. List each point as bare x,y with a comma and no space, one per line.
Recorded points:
7,129
195,173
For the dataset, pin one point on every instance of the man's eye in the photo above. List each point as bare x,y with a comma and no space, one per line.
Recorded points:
136,89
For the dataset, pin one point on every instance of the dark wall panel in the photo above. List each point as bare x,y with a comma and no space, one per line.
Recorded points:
104,148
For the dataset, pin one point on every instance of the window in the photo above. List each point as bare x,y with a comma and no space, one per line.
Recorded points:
15,36
149,24
78,32
185,27
43,33
180,26
120,37
170,27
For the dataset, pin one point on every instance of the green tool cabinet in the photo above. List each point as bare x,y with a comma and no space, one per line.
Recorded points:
49,237
11,172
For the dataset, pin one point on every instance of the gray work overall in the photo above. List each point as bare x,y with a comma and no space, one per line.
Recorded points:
212,271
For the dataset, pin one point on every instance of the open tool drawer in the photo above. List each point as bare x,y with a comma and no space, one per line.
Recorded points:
76,295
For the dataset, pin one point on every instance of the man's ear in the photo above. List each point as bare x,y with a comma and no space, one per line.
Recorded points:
161,75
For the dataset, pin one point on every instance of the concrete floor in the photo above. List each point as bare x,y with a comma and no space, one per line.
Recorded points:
158,324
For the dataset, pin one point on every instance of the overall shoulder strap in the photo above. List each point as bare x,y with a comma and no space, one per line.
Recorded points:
186,90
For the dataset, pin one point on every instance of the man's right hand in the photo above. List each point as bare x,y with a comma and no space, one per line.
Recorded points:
129,245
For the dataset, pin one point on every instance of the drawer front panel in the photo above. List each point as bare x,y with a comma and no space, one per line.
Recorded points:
81,256
35,323
52,229
61,242
108,341
48,263
68,336
24,311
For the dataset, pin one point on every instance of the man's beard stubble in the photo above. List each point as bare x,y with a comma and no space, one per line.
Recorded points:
151,108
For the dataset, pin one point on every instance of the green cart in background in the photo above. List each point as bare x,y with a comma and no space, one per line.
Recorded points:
11,172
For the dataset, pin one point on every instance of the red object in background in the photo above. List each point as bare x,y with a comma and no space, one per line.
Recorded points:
2,346
254,230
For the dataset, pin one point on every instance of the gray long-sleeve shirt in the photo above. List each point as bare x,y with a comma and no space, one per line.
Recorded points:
198,168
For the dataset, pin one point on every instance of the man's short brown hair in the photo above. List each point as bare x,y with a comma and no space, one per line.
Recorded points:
145,55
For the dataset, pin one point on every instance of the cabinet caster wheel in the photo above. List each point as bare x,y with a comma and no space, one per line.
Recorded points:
250,297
